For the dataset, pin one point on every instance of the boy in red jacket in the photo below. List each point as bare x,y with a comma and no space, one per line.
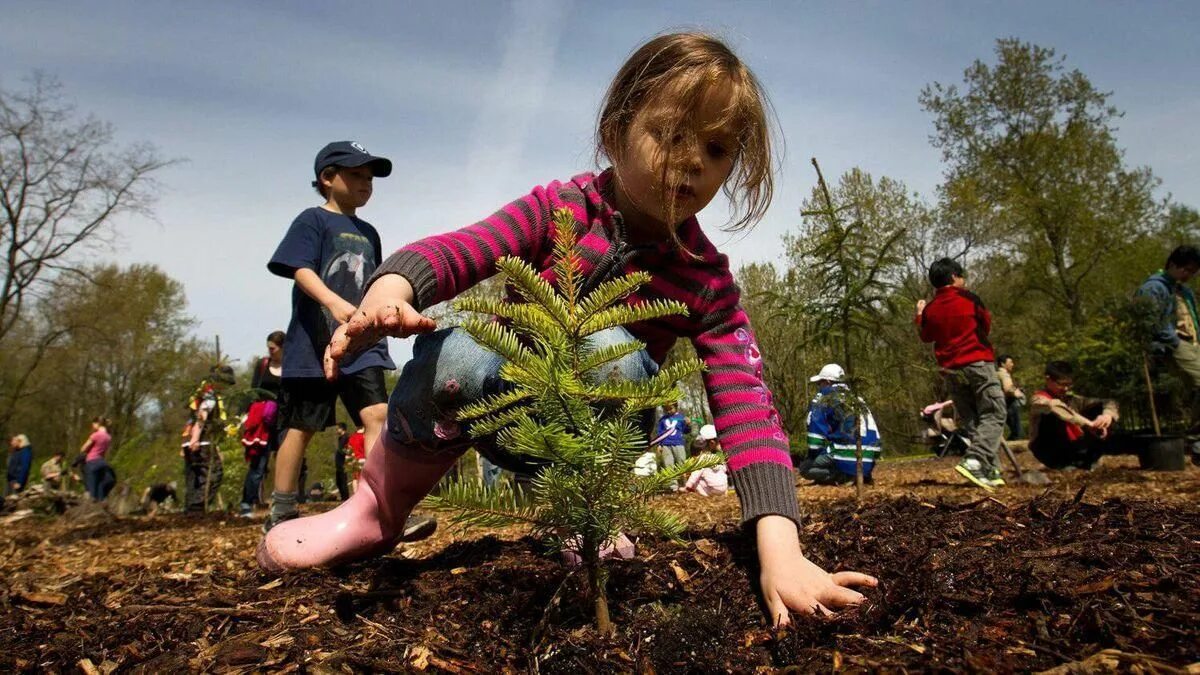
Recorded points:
957,324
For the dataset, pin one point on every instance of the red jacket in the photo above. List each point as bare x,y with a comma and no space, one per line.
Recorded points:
957,324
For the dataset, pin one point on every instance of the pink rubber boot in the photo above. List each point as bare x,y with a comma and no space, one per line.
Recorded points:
369,523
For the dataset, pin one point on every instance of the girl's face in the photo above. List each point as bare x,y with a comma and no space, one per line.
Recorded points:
273,349
701,155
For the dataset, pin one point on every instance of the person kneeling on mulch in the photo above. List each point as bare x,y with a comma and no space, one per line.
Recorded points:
1067,431
832,446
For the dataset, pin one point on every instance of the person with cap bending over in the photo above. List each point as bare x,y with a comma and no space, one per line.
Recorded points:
832,446
330,253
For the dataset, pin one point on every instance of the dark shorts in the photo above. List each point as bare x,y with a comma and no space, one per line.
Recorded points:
310,403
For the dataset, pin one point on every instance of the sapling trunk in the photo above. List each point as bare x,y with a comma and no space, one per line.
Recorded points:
858,460
597,576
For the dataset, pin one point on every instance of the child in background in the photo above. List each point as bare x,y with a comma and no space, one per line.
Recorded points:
646,465
669,436
683,119
1067,431
330,253
713,480
957,324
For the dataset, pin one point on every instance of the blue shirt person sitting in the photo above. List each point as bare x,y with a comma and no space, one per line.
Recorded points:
832,445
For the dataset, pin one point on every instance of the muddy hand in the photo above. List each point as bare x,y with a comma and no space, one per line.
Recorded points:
385,312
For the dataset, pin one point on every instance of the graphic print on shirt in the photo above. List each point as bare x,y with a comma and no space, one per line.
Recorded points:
352,263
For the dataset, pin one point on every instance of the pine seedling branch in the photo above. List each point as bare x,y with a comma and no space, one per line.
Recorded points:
567,405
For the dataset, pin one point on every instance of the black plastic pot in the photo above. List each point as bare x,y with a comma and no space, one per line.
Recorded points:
1162,453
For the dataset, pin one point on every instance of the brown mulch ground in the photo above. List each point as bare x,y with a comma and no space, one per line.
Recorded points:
1100,568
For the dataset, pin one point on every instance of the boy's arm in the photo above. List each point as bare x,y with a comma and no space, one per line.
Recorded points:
1045,404
923,327
310,282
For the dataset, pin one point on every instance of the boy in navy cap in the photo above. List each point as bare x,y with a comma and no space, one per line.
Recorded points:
330,253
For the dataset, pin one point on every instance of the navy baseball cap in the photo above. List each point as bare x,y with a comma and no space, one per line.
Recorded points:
351,154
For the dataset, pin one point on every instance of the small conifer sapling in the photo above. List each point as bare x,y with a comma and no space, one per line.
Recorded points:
564,406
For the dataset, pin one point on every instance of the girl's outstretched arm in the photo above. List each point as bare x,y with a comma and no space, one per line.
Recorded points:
386,311
792,582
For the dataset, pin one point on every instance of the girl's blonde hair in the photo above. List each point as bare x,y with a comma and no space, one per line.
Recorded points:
674,71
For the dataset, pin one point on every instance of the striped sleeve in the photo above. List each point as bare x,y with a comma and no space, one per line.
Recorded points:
747,423
442,266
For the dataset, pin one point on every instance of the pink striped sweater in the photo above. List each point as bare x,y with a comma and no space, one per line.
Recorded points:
442,266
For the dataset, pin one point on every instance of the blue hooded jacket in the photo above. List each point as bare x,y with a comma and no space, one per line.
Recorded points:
831,431
1162,290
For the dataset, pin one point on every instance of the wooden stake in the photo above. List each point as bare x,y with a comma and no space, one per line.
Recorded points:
1150,393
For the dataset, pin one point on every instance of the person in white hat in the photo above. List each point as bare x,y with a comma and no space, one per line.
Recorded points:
832,446
713,480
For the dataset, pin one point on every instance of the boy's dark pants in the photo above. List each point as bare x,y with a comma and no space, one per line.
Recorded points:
979,403
1055,449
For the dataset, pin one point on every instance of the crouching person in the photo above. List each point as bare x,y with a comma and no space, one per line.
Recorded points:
832,447
713,480
1067,431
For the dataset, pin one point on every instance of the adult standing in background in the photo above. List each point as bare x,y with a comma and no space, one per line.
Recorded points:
98,476
1177,326
20,459
267,383
1175,334
1014,398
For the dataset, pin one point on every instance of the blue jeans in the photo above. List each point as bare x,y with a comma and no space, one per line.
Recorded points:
255,472
449,370
99,478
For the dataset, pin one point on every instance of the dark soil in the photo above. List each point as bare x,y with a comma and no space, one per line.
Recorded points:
1015,583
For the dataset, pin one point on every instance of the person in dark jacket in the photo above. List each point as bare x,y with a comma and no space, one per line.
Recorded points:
20,459
958,324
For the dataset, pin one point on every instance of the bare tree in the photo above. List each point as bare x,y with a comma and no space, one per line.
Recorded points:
63,178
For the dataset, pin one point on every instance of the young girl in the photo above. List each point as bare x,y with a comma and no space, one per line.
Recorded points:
683,119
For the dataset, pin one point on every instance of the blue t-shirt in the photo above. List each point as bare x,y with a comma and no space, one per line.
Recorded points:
671,429
344,251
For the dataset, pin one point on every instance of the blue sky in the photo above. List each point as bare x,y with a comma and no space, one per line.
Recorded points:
477,102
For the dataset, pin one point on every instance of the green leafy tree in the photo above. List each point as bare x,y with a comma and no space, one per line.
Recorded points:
1034,172
565,407
63,181
852,262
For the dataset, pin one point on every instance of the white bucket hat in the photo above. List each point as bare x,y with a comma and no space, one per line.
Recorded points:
708,432
832,372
